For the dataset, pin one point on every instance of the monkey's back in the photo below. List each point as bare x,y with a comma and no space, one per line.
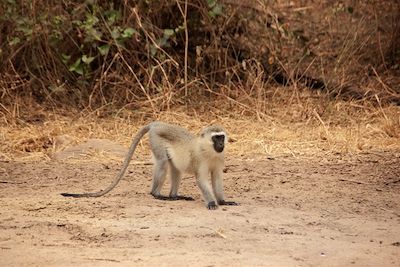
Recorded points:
172,142
170,132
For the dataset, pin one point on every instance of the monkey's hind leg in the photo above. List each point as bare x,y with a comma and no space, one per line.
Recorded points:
176,178
159,174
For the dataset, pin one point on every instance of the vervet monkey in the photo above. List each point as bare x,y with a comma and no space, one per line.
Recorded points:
183,152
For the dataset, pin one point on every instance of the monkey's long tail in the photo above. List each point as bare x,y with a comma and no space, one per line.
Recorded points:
128,158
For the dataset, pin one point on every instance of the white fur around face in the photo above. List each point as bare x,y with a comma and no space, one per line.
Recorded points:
220,133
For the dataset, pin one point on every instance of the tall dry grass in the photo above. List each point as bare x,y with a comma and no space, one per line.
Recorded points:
285,77
301,125
159,54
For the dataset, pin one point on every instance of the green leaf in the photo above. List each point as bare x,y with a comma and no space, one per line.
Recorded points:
87,60
58,20
77,23
112,16
65,58
153,50
14,41
211,3
95,34
128,32
103,49
25,29
163,42
77,67
169,32
216,11
115,33
91,19
180,28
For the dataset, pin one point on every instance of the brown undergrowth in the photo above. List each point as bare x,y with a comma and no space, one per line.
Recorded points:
294,124
298,78
140,54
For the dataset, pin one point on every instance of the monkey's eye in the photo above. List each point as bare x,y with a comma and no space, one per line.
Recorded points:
218,138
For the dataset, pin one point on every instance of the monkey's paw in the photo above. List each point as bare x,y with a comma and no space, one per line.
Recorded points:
212,205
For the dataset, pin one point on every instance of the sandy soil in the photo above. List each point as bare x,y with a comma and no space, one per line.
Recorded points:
336,211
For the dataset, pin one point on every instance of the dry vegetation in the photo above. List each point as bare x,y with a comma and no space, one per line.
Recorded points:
309,92
286,78
299,125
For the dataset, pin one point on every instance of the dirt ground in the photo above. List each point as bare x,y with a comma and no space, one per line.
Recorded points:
309,211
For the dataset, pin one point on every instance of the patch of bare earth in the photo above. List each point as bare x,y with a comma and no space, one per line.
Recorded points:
295,211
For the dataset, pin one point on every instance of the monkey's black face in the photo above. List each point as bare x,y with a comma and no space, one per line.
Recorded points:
218,142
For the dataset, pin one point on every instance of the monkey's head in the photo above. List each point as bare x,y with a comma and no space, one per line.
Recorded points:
216,136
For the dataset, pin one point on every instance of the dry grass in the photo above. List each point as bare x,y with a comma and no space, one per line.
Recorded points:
351,47
294,124
229,75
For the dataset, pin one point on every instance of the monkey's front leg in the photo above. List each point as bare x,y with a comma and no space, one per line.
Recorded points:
216,178
202,182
